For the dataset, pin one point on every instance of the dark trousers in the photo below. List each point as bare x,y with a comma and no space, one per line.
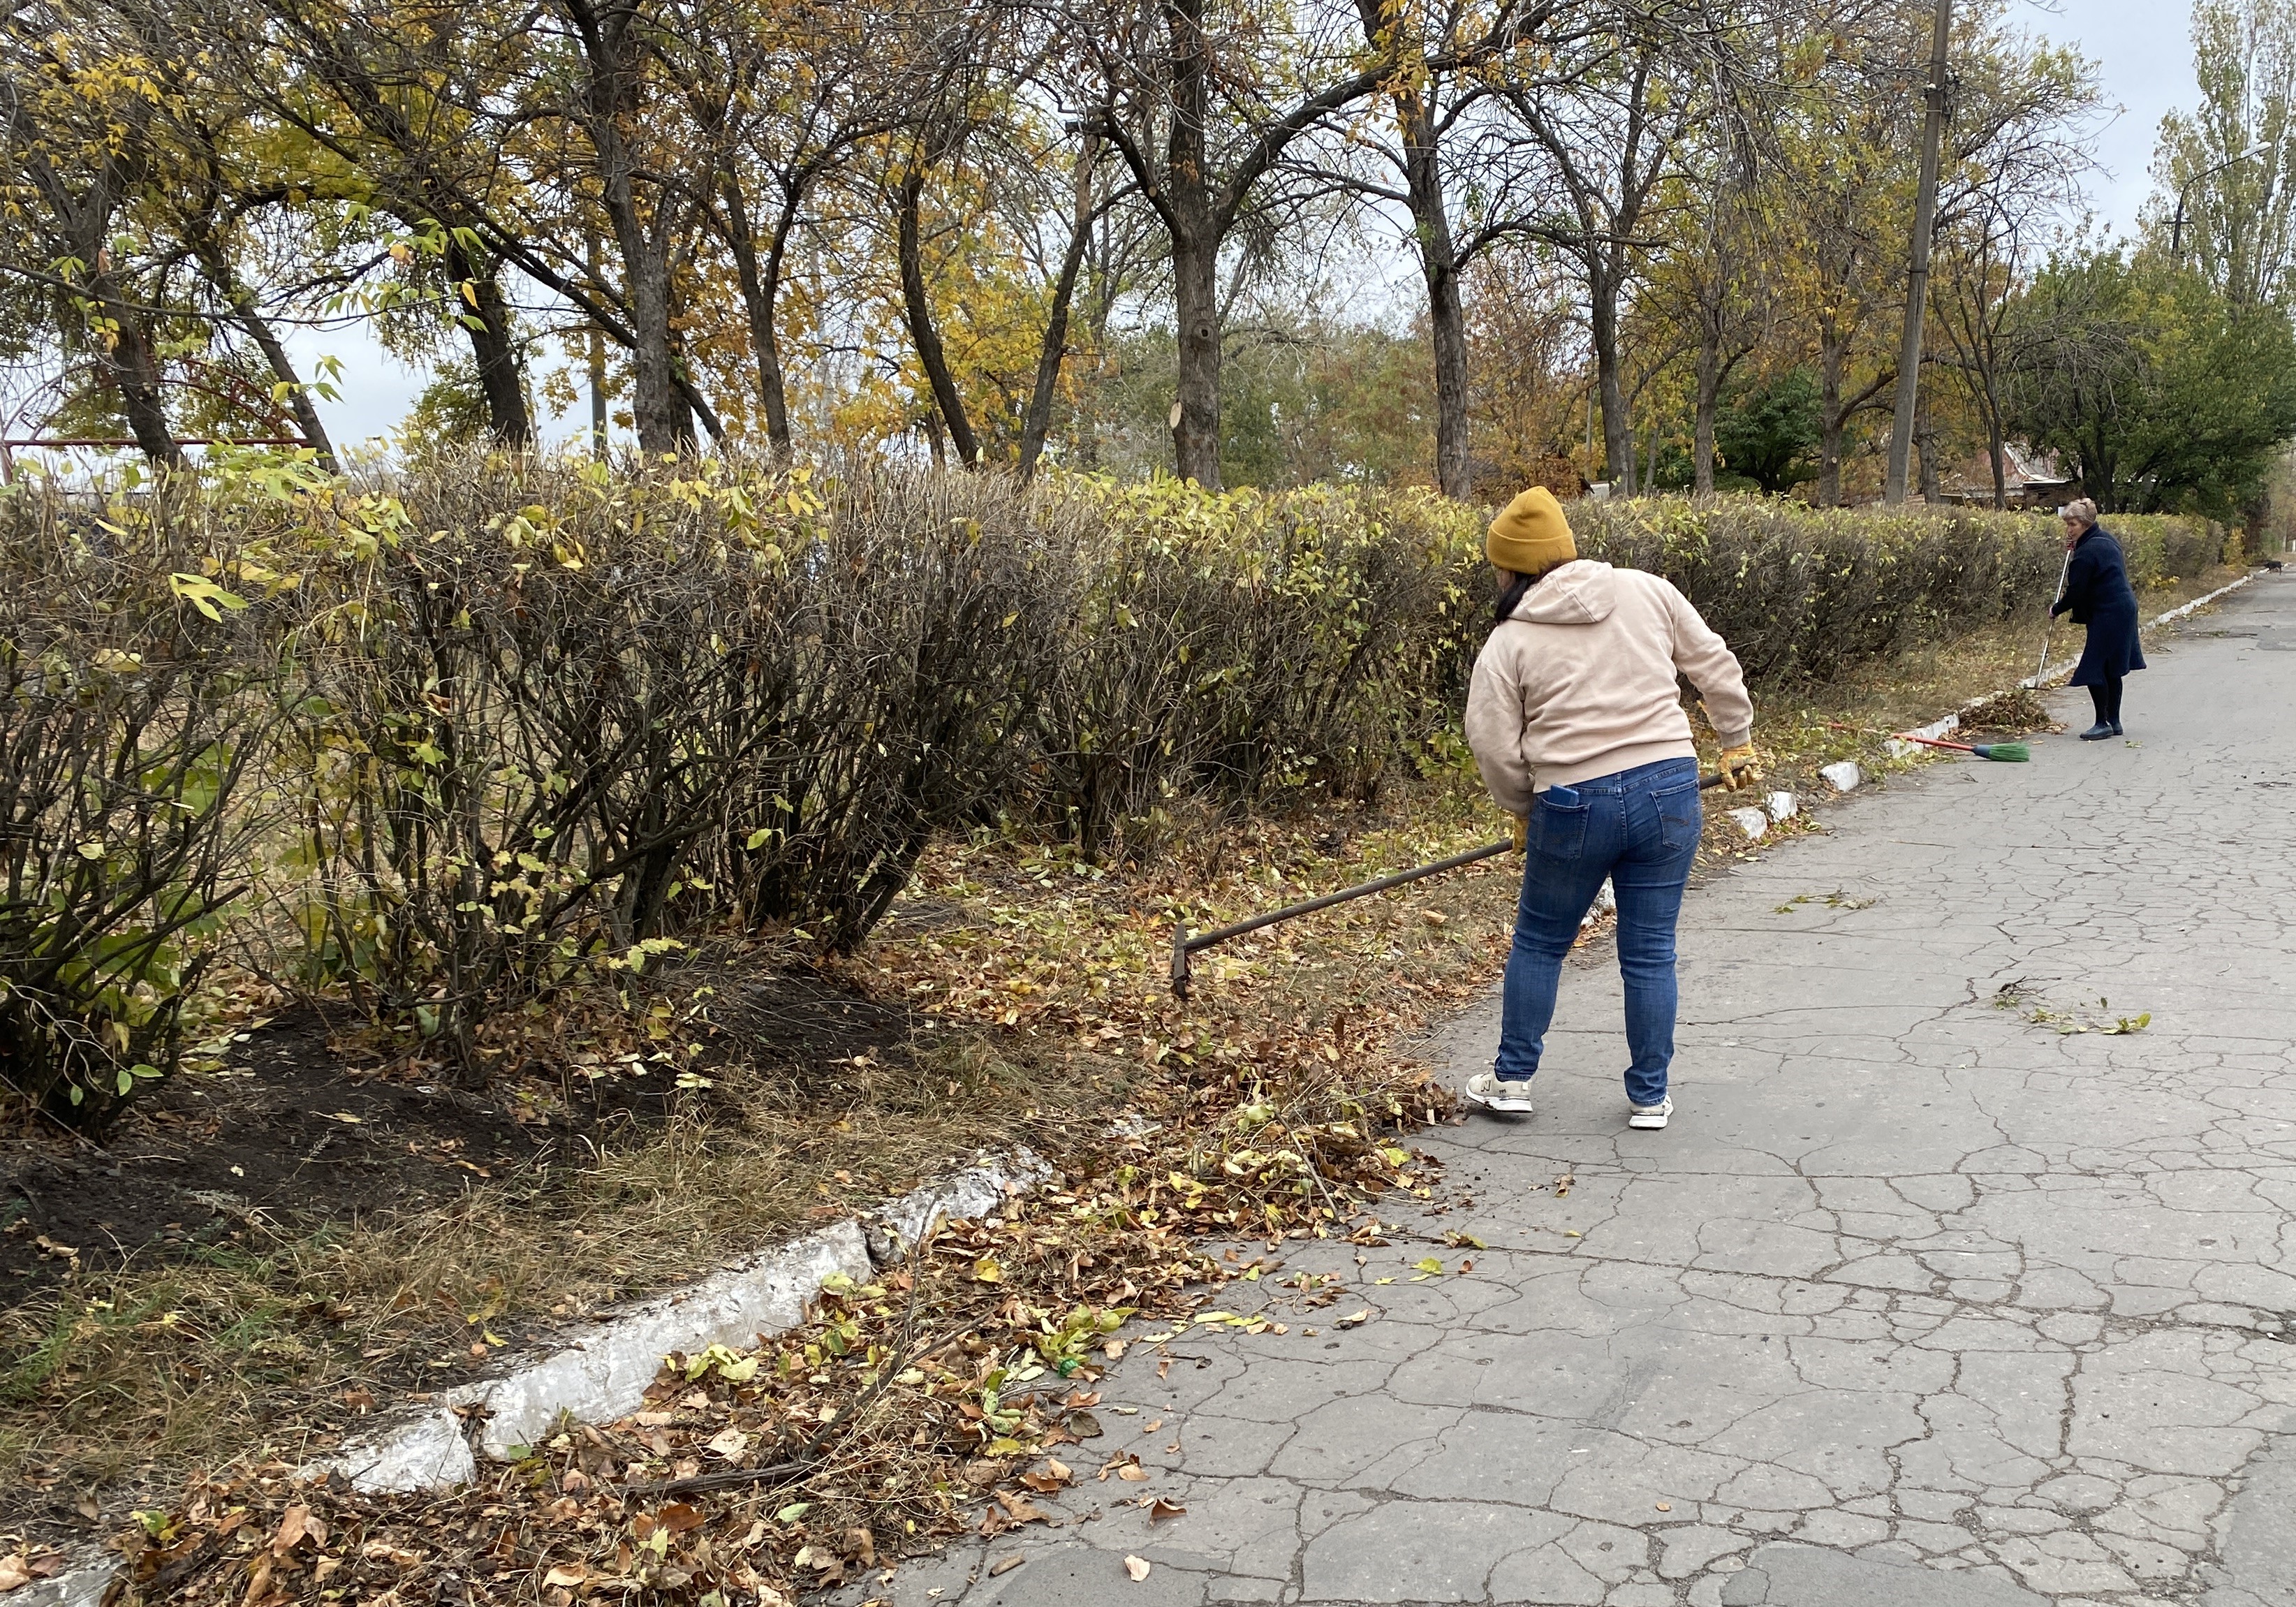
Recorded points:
2107,698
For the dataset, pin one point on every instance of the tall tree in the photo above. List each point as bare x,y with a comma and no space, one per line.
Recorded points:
81,118
1713,285
2229,165
1608,147
650,205
1982,264
783,97
2161,390
1202,100
384,97
1436,159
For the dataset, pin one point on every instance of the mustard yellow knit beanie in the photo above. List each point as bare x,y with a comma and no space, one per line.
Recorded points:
1531,535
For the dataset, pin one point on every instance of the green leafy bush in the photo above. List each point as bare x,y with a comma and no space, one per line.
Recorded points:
470,733
1802,594
131,708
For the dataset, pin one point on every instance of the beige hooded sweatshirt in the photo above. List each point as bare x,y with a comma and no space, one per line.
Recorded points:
1579,682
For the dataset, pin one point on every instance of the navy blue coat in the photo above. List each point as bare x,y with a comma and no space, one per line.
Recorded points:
2097,595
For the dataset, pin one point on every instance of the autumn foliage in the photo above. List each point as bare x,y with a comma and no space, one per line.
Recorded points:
448,742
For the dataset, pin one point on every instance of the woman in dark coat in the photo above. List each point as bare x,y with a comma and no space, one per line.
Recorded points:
2097,595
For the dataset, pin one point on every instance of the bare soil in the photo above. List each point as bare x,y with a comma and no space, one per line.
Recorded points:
305,1127
288,1131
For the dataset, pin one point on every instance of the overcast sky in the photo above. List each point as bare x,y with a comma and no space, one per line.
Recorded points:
2143,48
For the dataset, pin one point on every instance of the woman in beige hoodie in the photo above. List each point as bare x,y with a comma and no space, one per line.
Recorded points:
1575,718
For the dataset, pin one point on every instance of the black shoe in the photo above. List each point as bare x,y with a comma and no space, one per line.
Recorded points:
2098,732
2117,731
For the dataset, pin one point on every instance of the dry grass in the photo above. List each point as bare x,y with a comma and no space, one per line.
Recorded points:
121,1373
1044,979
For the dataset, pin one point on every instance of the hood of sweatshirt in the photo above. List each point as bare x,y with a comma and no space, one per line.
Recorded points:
1583,592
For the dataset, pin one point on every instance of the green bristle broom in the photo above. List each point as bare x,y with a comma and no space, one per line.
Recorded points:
2015,753
2008,753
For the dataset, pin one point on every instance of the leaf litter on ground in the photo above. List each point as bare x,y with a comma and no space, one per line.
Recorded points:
937,1400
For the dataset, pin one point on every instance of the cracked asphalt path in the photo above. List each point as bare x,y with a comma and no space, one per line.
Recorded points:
1923,1299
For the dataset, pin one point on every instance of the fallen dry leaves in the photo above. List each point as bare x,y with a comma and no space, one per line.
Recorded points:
939,1400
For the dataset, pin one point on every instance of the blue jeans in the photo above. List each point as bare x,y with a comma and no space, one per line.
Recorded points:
1640,829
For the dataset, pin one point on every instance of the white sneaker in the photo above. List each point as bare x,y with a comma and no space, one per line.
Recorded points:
1494,1093
1650,1115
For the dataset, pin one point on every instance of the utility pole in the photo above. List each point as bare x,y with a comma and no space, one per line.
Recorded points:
1917,273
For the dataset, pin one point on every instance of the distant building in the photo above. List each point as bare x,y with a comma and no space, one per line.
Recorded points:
2030,478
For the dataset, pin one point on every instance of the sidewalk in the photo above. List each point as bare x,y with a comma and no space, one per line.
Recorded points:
1923,1299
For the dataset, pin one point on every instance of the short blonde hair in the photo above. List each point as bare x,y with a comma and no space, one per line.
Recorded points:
2081,508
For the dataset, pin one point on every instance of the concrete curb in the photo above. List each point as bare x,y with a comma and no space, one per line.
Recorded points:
82,1586
601,1370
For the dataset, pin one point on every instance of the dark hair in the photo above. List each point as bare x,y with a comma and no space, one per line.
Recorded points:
1511,596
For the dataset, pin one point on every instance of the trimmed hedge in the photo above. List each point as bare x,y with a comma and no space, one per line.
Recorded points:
449,739
1802,594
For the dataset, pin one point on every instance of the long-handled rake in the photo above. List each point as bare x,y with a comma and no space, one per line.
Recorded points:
1185,944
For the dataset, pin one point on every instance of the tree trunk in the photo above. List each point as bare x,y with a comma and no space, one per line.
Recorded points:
1195,431
663,417
1995,444
918,307
1709,391
760,289
1195,249
133,369
485,317
1446,319
1831,419
283,369
1617,427
659,407
1053,348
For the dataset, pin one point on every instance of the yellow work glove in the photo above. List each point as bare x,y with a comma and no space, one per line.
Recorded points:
1521,832
1740,766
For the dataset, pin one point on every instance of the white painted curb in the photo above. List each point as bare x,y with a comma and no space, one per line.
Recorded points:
1940,730
1754,823
895,1228
82,1587
601,1371
1606,900
1843,776
2197,604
